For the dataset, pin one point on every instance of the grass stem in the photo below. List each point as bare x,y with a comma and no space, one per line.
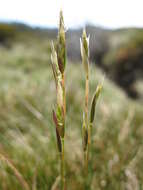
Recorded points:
62,166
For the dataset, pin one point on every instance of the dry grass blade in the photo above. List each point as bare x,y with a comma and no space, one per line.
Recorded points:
31,109
54,186
19,177
34,182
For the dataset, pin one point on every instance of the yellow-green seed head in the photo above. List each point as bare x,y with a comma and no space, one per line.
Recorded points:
60,120
57,131
60,100
55,66
84,47
61,45
57,76
94,101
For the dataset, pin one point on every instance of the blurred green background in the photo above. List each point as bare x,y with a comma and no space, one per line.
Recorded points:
27,96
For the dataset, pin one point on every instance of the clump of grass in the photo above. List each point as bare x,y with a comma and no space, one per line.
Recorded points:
58,58
88,118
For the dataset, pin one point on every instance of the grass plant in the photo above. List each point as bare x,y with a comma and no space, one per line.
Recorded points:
88,117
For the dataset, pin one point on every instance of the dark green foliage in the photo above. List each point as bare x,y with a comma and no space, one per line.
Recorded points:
7,32
124,62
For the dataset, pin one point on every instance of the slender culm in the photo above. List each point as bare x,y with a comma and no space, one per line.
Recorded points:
87,119
84,42
58,58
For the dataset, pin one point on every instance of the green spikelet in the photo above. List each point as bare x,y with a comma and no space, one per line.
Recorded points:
84,46
61,45
94,101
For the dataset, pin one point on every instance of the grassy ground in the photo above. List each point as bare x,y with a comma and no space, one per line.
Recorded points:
27,134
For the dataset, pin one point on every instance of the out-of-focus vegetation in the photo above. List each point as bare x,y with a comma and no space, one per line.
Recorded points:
124,60
7,32
118,52
27,134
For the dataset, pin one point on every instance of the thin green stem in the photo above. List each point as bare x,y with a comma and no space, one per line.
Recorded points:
87,152
64,94
85,162
86,122
89,142
86,99
86,184
62,166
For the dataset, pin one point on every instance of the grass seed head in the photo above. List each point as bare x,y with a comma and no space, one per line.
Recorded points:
84,47
94,101
55,66
60,101
61,45
57,132
61,120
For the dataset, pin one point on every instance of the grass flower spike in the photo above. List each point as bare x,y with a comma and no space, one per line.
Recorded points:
87,120
84,46
61,45
58,59
94,101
